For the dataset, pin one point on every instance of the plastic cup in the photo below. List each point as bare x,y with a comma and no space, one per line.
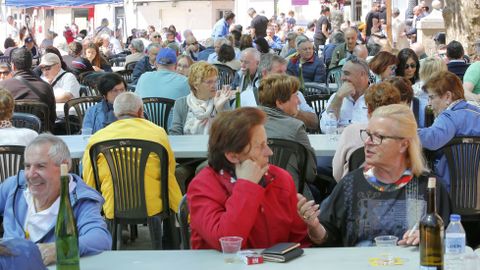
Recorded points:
386,243
230,246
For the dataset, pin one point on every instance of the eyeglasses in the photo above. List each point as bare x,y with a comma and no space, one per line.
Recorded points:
4,73
376,139
412,66
210,82
432,96
157,36
47,68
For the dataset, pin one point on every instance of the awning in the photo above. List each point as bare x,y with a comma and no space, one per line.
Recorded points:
57,3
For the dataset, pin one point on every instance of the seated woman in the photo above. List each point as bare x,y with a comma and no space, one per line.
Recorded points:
377,95
110,85
193,114
183,65
454,117
387,197
92,53
10,135
226,56
239,193
383,65
279,100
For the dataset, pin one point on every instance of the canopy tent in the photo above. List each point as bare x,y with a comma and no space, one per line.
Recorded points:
56,3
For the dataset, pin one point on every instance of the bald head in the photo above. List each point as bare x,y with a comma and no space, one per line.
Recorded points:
360,51
351,38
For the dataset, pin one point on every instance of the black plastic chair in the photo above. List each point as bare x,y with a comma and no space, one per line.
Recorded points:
463,158
334,76
36,108
357,158
4,59
158,110
11,160
81,106
315,89
26,120
127,160
182,216
283,151
226,75
131,66
126,74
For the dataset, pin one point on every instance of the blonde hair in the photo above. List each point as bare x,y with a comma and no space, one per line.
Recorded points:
198,72
430,66
7,104
406,127
277,87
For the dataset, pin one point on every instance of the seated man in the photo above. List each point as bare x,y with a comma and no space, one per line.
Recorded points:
387,197
128,109
348,103
343,50
29,201
147,63
65,85
136,48
456,62
313,68
248,85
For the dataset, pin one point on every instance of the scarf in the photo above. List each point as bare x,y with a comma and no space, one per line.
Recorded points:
380,186
199,116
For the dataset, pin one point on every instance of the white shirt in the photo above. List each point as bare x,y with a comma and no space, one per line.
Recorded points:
16,136
67,84
38,224
351,112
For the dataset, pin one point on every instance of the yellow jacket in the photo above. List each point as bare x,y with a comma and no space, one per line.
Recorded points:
134,128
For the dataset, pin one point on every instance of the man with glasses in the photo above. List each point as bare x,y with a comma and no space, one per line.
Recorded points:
64,84
5,71
313,68
164,82
348,103
247,79
25,85
192,47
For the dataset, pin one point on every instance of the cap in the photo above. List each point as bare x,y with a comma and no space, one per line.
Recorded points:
29,39
50,59
166,56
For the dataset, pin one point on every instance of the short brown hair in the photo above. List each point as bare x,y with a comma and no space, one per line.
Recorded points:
7,104
198,72
231,131
381,94
381,61
404,86
277,87
445,81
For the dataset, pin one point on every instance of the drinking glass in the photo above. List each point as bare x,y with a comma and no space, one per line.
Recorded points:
386,243
230,246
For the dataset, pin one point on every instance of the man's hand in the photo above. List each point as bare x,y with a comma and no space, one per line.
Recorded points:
347,89
410,238
250,170
48,252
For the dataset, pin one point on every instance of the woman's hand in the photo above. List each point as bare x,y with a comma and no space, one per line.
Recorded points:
410,238
250,170
221,97
308,210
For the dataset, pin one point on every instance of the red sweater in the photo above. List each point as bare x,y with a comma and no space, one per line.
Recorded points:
262,216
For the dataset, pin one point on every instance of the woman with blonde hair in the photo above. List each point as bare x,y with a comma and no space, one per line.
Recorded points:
387,196
194,113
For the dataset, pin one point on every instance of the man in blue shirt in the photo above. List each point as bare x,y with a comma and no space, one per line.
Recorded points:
221,27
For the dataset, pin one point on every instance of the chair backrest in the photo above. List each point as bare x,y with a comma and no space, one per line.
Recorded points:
315,89
131,65
127,160
356,159
463,159
81,106
4,59
36,108
126,74
89,81
11,160
334,75
182,216
283,151
117,60
318,102
26,120
225,75
158,110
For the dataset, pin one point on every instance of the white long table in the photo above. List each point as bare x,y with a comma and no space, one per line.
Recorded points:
313,258
195,146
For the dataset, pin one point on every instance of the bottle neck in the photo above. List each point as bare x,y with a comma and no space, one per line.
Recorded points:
64,182
431,204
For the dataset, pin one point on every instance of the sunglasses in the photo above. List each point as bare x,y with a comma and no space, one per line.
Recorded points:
157,36
412,66
4,73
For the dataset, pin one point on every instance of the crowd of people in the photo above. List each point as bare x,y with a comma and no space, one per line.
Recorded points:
384,92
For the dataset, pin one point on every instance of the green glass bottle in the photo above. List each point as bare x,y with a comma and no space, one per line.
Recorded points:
66,235
431,233
300,78
237,99
247,80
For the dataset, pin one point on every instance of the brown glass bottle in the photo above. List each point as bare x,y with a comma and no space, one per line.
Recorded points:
431,233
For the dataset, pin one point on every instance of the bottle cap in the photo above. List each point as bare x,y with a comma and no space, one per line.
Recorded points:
455,217
431,182
63,169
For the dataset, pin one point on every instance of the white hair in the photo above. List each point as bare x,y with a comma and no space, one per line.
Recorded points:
60,43
58,151
252,51
127,103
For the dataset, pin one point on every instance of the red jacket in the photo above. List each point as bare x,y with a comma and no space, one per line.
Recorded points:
262,216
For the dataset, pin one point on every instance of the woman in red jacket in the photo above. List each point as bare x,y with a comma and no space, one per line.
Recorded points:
239,193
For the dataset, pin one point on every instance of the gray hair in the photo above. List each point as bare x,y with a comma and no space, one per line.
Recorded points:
359,62
137,44
338,37
267,60
221,40
252,51
301,39
153,45
58,151
209,42
127,103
